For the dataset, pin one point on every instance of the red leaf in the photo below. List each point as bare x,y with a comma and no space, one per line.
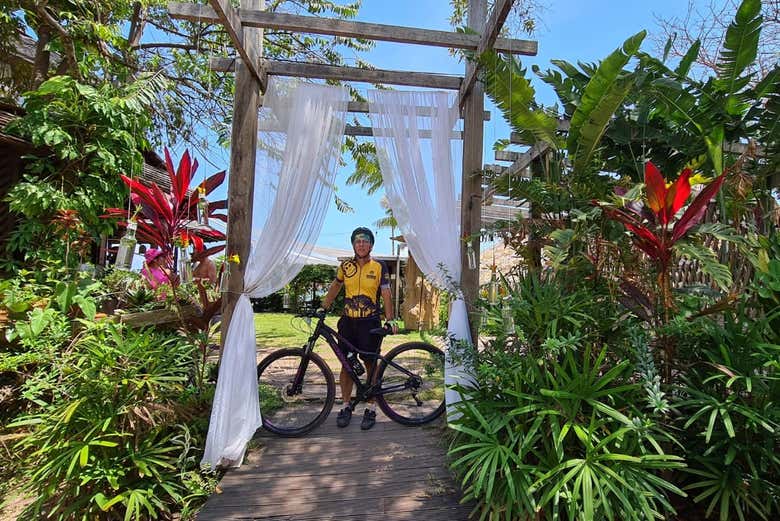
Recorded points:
219,217
197,242
213,181
182,181
696,209
656,189
163,205
217,205
677,195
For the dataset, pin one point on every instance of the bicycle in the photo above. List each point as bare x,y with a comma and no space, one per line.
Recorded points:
297,387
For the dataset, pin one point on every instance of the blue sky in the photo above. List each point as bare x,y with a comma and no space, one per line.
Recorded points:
573,30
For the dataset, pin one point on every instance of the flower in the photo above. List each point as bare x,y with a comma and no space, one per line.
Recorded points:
234,258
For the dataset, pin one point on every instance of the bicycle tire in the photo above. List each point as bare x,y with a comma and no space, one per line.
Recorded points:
404,406
275,373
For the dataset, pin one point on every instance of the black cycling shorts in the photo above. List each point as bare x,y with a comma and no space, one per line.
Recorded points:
357,332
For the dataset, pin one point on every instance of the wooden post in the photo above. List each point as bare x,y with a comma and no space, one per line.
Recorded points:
471,195
241,181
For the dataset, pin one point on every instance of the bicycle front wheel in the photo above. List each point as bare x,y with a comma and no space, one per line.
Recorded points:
291,411
412,383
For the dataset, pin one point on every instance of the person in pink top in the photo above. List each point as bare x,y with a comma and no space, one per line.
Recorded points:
155,270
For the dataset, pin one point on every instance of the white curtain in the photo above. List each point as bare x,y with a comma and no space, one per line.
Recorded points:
414,140
301,127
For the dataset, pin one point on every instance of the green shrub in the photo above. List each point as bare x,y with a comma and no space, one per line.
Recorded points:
109,445
559,434
729,411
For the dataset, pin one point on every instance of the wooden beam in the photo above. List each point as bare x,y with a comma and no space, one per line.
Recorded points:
353,29
489,34
473,104
247,48
334,72
241,180
356,130
361,107
506,155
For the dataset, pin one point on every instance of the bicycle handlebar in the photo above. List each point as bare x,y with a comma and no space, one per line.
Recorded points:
321,314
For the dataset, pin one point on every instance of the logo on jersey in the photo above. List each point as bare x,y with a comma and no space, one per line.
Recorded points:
350,268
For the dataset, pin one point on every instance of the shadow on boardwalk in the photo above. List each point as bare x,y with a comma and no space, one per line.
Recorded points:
390,472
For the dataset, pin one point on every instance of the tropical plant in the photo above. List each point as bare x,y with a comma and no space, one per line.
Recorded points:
729,416
83,136
165,220
558,437
103,447
657,238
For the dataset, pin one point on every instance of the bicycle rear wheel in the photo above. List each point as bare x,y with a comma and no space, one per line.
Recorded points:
294,412
412,392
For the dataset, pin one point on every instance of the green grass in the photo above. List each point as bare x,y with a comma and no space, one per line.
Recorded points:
277,330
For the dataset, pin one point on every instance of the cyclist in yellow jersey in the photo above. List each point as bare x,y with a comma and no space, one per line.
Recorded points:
364,280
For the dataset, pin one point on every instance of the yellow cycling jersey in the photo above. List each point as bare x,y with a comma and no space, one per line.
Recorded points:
362,287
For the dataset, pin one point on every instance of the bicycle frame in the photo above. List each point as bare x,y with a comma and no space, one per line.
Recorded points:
334,340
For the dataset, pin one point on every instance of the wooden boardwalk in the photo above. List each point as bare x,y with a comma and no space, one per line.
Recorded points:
390,472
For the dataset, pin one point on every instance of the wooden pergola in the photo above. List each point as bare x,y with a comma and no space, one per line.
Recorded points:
245,27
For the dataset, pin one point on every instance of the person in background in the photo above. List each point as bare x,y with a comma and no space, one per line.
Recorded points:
205,269
364,280
155,270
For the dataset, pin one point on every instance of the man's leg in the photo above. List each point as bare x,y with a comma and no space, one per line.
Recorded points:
346,386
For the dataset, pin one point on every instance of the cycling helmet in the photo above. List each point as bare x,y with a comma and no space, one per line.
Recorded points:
361,231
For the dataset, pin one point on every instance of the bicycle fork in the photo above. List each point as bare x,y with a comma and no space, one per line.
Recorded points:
296,386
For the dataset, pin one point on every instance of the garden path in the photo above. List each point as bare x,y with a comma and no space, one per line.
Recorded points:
390,472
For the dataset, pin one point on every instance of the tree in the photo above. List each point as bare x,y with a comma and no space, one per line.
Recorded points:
706,21
118,40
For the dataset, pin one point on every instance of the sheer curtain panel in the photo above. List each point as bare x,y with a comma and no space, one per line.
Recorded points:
415,144
301,129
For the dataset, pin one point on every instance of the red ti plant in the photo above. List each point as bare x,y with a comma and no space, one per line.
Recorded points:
165,219
655,230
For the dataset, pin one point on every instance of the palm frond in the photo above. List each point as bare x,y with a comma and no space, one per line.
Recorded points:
510,90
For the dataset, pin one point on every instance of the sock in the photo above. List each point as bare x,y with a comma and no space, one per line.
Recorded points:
371,407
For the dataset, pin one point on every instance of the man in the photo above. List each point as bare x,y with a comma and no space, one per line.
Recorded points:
364,279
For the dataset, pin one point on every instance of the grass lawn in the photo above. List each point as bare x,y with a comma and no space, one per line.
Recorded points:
277,330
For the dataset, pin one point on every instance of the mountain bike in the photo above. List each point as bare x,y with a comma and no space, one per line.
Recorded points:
297,387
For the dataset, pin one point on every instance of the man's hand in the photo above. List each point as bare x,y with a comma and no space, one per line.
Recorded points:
392,325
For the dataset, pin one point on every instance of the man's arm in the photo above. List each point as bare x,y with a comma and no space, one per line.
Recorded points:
330,296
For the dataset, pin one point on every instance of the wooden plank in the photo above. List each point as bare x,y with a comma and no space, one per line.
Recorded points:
392,472
241,180
334,72
357,130
247,44
472,104
489,34
353,29
506,155
361,107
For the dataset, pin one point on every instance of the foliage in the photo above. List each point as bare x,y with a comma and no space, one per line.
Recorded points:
304,285
729,414
166,219
105,446
84,135
120,40
557,437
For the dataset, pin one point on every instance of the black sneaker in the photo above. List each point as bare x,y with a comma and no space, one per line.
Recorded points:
369,419
345,414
